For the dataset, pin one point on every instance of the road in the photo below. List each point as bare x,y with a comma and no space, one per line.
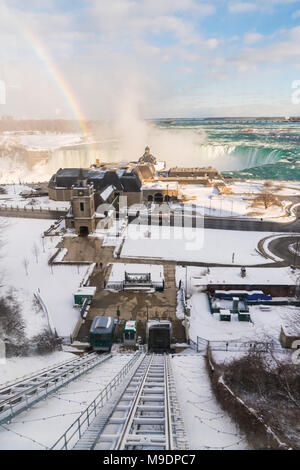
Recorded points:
280,247
220,223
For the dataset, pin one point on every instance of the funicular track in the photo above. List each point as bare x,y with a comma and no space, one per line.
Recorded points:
145,415
20,395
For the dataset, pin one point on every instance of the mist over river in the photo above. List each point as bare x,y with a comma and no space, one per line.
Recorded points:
245,148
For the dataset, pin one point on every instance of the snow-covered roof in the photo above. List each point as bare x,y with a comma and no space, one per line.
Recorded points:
86,290
130,325
107,192
172,185
160,166
254,276
118,271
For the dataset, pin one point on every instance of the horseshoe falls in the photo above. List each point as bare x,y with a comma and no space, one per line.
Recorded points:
242,148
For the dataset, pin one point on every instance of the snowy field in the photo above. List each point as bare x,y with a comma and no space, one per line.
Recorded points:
237,204
206,425
193,245
13,198
39,141
21,240
281,188
47,420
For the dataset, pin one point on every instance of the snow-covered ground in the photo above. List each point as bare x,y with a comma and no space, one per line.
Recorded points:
17,367
207,426
193,245
280,188
39,141
47,420
236,204
22,240
13,198
265,326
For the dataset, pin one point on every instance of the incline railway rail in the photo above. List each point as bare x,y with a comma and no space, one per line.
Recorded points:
145,414
20,395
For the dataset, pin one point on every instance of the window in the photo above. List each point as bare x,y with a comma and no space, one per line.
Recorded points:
82,206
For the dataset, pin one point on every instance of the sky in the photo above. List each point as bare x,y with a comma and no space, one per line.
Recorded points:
158,58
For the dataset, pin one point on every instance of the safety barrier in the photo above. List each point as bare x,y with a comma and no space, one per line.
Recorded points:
75,431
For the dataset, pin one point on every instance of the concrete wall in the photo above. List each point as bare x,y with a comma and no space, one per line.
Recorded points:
60,194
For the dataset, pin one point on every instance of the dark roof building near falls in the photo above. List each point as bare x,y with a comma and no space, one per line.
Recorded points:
127,181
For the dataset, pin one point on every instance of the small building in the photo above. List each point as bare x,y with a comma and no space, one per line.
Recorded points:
225,315
142,277
244,316
273,282
288,335
86,292
129,333
209,173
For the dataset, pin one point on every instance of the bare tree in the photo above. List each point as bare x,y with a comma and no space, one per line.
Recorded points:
268,184
267,199
36,252
25,263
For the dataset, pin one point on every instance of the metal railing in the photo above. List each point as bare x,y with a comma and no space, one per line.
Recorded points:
75,431
29,208
22,395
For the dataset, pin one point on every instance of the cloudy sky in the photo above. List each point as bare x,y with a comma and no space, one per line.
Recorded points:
164,58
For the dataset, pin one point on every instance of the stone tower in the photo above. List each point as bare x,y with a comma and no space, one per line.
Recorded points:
83,206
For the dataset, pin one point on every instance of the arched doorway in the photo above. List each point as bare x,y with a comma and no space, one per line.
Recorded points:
150,198
158,198
83,231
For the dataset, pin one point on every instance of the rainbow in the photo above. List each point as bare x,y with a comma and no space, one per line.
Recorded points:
58,78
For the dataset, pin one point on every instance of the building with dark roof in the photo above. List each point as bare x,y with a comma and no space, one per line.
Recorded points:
125,181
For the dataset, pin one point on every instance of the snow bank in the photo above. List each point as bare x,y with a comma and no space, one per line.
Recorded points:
206,424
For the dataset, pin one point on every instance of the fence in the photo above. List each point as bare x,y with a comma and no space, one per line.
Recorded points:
75,431
202,344
33,212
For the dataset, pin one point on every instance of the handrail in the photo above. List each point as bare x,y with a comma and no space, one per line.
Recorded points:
32,375
77,426
33,392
